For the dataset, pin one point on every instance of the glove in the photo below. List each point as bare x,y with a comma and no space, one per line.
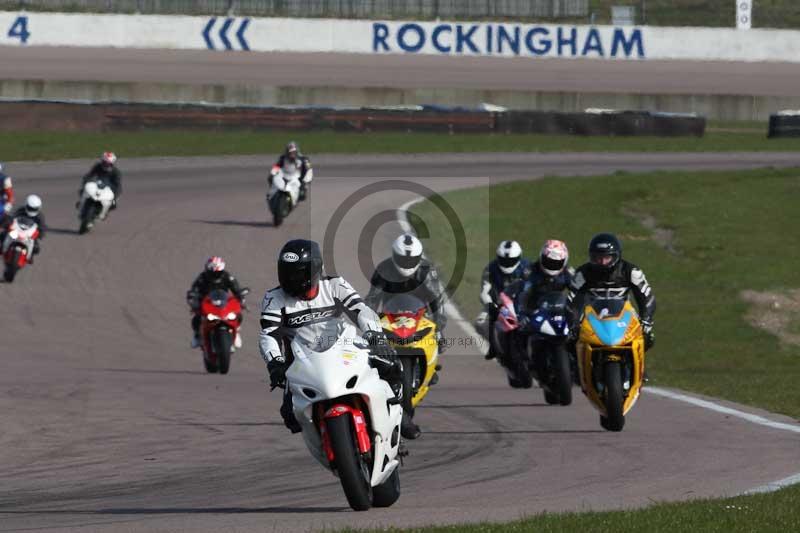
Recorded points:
277,373
523,322
379,344
649,334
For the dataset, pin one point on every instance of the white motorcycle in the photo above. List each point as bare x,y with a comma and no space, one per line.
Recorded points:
95,203
286,189
349,415
19,245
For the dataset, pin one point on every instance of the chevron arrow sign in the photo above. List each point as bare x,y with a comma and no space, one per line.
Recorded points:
226,39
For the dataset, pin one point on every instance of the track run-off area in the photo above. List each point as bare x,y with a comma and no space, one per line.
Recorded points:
110,421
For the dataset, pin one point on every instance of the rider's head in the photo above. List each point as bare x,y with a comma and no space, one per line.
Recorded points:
406,254
553,257
33,205
292,150
300,268
107,160
605,251
215,267
508,256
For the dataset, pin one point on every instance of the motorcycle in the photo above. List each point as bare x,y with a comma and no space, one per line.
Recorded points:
546,345
18,245
95,202
284,193
220,321
349,415
611,357
413,335
512,353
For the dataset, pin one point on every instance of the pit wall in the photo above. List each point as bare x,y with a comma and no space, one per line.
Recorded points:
714,107
397,37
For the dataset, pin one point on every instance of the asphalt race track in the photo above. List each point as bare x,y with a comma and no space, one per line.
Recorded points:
110,422
399,71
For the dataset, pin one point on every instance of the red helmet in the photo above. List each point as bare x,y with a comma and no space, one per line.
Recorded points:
108,159
215,265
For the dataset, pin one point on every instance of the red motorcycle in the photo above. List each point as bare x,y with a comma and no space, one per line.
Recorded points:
221,318
18,245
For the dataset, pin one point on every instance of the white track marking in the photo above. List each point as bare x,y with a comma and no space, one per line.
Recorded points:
466,325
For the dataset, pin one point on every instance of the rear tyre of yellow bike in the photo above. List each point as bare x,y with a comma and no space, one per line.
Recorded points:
612,377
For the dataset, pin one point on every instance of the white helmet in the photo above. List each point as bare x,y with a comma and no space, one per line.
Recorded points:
553,257
508,255
33,204
406,254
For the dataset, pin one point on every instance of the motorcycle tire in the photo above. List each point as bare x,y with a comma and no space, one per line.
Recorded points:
10,272
280,209
388,492
562,373
211,368
88,214
350,465
612,376
409,365
222,342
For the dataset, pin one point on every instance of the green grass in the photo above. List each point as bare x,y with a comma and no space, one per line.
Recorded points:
24,146
775,512
733,231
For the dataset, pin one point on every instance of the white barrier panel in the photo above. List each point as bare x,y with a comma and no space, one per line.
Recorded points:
397,37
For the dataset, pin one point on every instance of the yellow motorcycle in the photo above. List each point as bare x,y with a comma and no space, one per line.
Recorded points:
409,330
610,352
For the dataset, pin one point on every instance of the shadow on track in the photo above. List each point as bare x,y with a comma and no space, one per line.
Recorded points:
149,371
182,510
483,406
241,223
62,231
518,432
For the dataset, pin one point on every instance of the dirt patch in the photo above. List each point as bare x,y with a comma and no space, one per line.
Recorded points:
774,312
664,237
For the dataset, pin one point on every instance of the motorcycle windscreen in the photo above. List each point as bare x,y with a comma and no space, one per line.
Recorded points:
219,298
610,331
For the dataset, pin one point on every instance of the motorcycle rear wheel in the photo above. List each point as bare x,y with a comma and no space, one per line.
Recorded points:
388,492
612,376
349,463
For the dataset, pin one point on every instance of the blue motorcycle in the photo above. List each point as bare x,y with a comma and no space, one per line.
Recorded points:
547,331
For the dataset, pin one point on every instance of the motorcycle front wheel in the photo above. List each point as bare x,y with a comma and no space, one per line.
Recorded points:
280,209
612,375
388,492
10,272
562,382
221,342
88,214
350,465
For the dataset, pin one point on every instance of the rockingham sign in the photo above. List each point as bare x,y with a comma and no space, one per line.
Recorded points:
508,40
487,39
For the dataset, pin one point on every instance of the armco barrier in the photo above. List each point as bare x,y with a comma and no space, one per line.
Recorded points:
39,115
784,124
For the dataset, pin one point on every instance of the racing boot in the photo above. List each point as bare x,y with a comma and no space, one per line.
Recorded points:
237,342
287,413
408,429
195,341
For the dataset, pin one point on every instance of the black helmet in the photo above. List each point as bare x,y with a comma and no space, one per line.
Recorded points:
605,251
300,268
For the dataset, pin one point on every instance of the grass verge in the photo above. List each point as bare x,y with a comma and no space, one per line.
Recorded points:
26,146
776,512
730,232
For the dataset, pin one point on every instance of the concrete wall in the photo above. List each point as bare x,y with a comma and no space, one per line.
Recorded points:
713,107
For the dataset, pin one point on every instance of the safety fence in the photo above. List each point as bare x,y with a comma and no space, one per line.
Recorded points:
370,9
110,116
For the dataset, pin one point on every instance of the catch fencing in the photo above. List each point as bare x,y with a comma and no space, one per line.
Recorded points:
365,9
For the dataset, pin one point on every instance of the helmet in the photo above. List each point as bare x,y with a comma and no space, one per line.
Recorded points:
33,204
292,149
406,254
553,257
1,167
215,266
108,159
605,251
300,268
508,256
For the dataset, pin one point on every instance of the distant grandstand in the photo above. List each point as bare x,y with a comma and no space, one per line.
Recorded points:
717,13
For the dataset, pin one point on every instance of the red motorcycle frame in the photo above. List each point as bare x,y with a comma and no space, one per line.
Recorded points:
220,320
19,243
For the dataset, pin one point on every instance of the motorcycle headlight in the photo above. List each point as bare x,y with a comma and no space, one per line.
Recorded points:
211,316
231,316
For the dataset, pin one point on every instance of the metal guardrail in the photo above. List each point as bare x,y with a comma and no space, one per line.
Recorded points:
391,9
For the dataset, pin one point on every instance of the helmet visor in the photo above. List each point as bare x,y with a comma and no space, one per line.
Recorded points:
297,278
508,262
556,265
407,261
603,259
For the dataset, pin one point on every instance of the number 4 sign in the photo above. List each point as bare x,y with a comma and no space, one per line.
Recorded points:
19,30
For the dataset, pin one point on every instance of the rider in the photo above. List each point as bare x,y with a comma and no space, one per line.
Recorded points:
292,160
607,270
307,305
213,277
549,273
106,169
507,268
6,193
33,210
407,272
